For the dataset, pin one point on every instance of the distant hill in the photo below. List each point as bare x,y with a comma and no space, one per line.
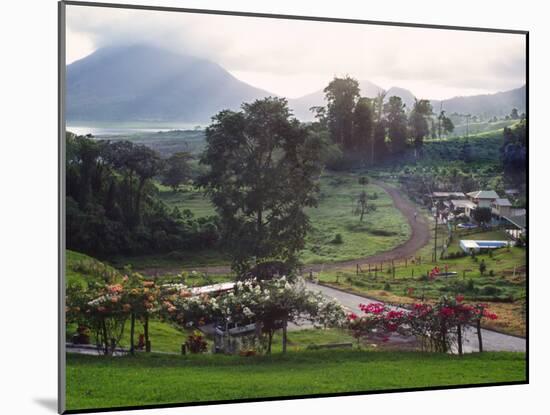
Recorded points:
143,83
406,96
489,105
147,84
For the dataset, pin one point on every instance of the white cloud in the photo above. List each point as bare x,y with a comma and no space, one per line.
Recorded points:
291,58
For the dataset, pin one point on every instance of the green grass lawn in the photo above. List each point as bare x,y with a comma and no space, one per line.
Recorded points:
100,382
81,268
380,230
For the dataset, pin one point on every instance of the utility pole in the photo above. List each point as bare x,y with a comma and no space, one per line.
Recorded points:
439,120
435,236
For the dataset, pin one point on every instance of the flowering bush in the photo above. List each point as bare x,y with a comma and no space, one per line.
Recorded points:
105,307
196,343
378,321
439,326
271,305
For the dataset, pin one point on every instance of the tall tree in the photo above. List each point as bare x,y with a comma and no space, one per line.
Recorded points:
418,121
394,111
379,141
177,170
444,124
263,172
363,126
342,95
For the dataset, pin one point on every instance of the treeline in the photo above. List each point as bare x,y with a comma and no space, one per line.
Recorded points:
514,148
373,130
112,204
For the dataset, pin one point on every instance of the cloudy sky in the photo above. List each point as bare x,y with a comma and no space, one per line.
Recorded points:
292,58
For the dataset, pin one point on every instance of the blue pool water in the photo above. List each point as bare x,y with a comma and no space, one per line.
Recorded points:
490,244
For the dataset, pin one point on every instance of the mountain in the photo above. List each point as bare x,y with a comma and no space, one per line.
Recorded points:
489,105
300,106
406,96
147,84
143,83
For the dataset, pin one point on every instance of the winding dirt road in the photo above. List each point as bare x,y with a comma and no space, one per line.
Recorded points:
420,236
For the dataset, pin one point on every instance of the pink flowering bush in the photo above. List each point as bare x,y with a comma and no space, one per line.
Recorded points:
439,326
378,322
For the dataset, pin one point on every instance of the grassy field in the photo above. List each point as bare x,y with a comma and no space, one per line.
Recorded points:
165,142
99,382
381,230
499,286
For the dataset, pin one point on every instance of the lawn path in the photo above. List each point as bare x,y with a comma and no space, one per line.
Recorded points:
420,236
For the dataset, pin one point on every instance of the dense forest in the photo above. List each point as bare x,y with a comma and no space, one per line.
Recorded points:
112,205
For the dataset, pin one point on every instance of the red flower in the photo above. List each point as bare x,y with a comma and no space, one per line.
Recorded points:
373,308
352,316
459,298
489,315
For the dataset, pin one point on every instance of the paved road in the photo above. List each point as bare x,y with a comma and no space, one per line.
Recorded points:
420,236
492,341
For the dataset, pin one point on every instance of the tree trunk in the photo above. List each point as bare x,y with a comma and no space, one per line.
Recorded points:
479,340
459,333
132,332
146,334
284,335
269,341
105,339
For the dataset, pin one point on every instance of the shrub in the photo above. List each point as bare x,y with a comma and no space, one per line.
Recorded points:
490,290
482,267
337,239
196,343
387,286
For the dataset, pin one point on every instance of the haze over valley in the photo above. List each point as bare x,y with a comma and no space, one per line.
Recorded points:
141,85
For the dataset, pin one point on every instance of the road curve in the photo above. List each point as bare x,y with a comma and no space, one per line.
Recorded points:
420,236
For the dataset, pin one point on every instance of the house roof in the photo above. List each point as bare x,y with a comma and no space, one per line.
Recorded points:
463,204
520,221
502,202
483,194
448,194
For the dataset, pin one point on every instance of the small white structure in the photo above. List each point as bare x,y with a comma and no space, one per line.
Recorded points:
469,246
